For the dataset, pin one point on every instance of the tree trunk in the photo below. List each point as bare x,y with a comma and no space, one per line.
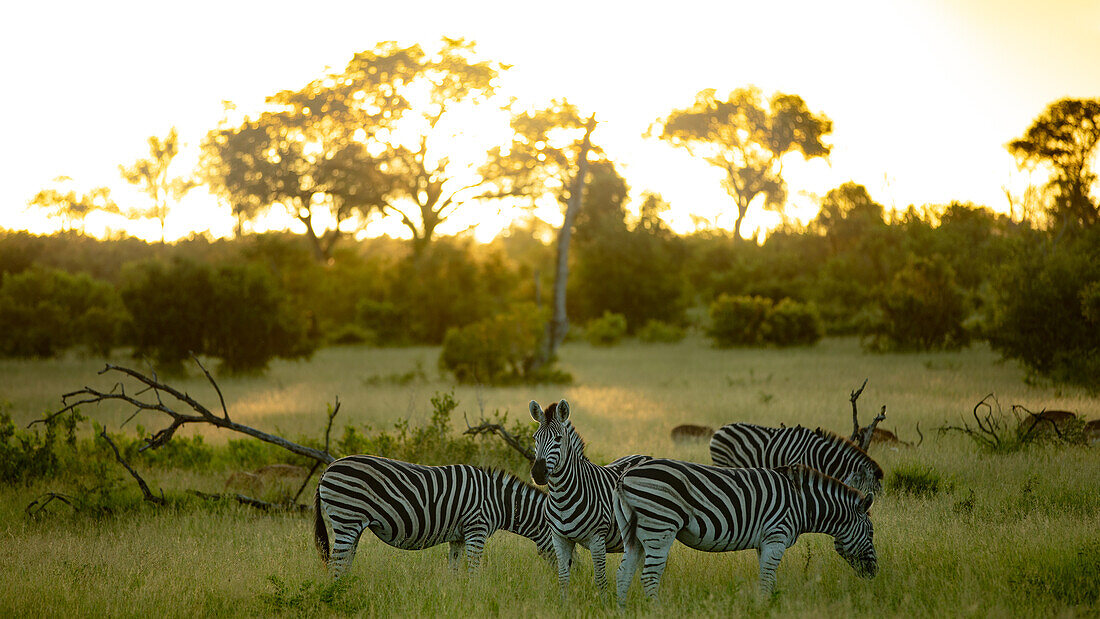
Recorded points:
559,322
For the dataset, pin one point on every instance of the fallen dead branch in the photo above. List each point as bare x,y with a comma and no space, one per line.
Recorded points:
862,436
488,427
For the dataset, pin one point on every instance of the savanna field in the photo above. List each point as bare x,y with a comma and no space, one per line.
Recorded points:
959,531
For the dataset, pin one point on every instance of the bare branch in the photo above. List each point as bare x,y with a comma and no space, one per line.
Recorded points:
149,496
41,504
251,502
316,465
487,427
225,413
855,411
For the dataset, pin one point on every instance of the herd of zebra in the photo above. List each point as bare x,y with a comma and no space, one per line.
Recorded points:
767,487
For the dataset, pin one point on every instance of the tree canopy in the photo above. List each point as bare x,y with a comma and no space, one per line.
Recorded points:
748,138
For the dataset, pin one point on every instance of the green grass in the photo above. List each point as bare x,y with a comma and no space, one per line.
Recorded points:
1005,534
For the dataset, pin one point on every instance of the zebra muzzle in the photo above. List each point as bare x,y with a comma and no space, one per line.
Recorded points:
538,471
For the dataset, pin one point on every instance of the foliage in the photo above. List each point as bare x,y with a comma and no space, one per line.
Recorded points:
607,330
922,308
655,331
236,313
64,203
500,349
46,311
1043,309
1065,138
915,479
435,443
738,321
747,139
151,175
310,595
27,456
791,323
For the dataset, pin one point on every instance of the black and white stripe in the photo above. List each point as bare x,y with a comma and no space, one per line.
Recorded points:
413,507
717,509
746,445
579,506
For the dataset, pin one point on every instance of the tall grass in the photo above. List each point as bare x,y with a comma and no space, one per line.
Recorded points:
1003,534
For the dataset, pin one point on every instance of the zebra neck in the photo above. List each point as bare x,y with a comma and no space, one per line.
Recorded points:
572,458
824,510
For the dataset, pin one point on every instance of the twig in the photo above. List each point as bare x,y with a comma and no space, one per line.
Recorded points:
495,428
317,464
49,497
251,502
855,411
225,413
149,496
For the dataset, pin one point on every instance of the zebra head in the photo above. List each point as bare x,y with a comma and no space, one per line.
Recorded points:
855,542
867,480
548,438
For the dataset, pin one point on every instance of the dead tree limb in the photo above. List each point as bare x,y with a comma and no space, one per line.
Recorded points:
142,402
149,496
862,436
251,502
488,427
317,464
39,504
990,424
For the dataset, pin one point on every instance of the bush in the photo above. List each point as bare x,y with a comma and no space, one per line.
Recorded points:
46,311
656,331
922,308
236,313
499,350
791,323
915,479
608,330
738,321
1045,310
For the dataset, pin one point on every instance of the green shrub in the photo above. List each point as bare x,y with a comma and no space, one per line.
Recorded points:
1045,310
46,311
607,330
656,331
791,323
915,479
922,308
384,320
26,456
738,321
499,350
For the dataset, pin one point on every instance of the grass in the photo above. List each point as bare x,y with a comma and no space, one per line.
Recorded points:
1004,535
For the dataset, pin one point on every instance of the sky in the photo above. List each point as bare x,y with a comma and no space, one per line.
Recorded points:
923,94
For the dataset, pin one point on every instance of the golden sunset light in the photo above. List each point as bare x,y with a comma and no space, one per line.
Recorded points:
923,95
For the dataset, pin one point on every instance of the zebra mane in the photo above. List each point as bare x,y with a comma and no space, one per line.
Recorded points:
567,427
866,460
803,476
501,477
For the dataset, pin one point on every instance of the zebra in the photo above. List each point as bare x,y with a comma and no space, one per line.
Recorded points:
718,509
579,505
746,445
412,507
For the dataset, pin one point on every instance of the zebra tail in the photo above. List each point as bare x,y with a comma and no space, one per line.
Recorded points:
320,533
626,518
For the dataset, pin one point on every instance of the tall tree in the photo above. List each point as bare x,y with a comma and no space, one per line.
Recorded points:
72,209
748,139
549,156
1064,138
151,175
381,127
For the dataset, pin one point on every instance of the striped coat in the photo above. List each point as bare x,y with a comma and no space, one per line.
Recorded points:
411,506
746,445
717,509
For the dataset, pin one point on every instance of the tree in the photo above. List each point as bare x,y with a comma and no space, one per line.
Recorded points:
70,208
748,139
847,216
549,156
1064,138
151,175
372,138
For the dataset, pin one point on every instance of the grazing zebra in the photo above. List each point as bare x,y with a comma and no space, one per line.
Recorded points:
412,507
745,445
717,509
579,505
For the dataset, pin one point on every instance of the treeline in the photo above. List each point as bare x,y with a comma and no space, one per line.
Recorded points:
936,277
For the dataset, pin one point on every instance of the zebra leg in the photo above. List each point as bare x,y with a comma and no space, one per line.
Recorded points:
657,546
454,554
632,556
598,546
475,545
564,549
345,538
770,553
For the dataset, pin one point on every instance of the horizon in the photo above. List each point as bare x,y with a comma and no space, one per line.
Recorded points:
921,121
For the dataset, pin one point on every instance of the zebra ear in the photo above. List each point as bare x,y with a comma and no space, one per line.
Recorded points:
536,411
867,500
563,410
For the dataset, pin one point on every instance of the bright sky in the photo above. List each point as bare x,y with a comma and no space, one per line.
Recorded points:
923,94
